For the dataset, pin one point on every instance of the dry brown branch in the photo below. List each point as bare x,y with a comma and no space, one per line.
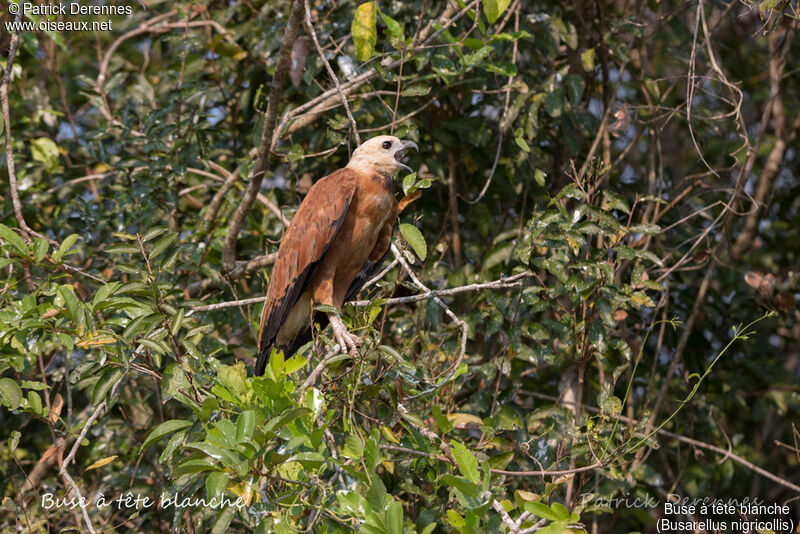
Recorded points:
783,140
265,147
314,375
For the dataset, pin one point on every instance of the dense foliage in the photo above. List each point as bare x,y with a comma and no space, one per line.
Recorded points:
611,184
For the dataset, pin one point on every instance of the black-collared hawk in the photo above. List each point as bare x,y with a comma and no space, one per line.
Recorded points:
335,242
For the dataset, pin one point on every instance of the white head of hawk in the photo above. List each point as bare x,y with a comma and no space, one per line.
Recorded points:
381,154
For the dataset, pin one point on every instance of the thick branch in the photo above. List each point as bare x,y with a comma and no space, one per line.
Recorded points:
264,149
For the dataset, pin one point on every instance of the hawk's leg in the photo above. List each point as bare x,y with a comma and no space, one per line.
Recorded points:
348,342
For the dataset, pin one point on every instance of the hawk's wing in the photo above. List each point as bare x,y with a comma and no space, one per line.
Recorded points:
303,245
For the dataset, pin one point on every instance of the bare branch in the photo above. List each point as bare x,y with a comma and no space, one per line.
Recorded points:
264,150
503,283
332,74
12,174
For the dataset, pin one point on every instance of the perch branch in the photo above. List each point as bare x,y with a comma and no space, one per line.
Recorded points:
503,283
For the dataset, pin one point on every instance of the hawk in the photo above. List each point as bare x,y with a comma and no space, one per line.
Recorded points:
335,242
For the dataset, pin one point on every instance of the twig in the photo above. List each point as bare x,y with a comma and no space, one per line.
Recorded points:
461,324
332,74
314,375
503,122
503,283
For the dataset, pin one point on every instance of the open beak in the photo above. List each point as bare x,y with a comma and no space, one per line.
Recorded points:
400,152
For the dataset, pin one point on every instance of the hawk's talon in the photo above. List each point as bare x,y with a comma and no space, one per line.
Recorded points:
348,343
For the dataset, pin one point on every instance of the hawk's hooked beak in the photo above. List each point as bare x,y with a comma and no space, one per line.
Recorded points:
401,151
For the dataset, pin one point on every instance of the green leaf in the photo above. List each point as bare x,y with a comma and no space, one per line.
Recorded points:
65,246
394,517
494,8
539,176
162,244
560,510
123,248
541,510
503,68
13,441
575,87
365,34
177,322
73,306
173,380
413,237
216,483
165,428
396,35
40,248
228,457
353,447
418,89
467,463
463,485
224,520
554,102
153,345
285,418
106,382
152,233
12,238
34,403
408,181
10,393
245,425
455,519
45,150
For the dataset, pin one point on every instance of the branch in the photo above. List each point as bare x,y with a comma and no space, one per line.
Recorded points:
332,74
12,174
264,150
503,283
312,378
329,99
691,441
783,140
462,324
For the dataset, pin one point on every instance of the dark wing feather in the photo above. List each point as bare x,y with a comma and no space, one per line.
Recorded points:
302,247
370,269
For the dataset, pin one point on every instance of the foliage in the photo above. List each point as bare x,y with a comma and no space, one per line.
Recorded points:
610,156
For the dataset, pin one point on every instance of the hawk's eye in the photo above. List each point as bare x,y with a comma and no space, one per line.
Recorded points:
386,145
